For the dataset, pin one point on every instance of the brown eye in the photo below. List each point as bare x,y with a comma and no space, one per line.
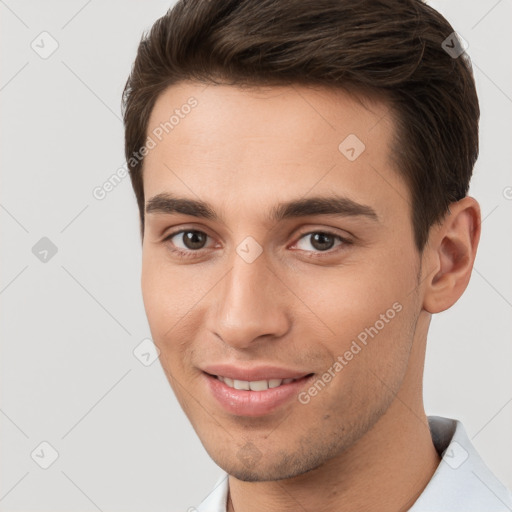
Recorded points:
322,241
190,239
319,240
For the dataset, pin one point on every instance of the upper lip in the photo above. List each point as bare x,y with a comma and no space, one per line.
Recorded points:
253,373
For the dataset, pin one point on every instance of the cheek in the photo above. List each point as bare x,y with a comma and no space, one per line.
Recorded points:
165,300
371,312
168,291
351,299
166,303
157,299
173,297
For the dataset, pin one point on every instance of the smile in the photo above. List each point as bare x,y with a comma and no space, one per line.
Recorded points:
257,397
255,385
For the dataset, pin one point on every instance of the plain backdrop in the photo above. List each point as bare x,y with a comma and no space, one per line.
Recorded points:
71,307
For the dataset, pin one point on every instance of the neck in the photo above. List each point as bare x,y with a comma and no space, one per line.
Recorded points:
384,471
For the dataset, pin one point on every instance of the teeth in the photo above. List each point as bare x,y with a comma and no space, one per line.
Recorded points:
241,384
258,385
255,385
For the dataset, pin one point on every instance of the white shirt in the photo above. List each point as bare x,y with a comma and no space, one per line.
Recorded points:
461,483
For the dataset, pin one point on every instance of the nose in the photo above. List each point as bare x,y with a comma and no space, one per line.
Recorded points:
250,304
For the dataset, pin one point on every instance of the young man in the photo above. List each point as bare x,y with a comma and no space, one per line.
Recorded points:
301,170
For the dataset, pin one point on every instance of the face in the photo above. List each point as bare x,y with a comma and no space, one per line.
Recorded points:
277,246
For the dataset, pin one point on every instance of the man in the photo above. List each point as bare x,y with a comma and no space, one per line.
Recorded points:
301,170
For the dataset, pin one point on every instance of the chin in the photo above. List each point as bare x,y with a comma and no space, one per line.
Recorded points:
280,467
257,475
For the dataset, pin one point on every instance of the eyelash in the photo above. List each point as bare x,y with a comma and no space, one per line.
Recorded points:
191,253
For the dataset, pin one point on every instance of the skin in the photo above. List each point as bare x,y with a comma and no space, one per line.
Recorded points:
362,443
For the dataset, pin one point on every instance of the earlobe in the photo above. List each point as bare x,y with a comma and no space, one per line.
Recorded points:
451,251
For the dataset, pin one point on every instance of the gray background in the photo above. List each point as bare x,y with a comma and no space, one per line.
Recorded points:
70,324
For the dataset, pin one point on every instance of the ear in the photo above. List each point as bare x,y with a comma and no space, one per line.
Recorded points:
450,254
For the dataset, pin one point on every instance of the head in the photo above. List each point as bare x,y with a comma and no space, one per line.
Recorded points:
301,170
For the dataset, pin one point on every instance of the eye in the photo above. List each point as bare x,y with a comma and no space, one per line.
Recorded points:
321,241
191,242
187,241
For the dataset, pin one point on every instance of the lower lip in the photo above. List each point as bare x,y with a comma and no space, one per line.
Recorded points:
254,403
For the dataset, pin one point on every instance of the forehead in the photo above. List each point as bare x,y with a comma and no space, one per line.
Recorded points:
305,111
247,145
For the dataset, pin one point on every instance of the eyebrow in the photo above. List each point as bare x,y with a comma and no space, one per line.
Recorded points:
166,203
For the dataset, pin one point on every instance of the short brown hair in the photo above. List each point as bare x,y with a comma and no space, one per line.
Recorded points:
392,48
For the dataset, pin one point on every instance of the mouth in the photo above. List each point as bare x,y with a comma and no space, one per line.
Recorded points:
254,397
256,385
